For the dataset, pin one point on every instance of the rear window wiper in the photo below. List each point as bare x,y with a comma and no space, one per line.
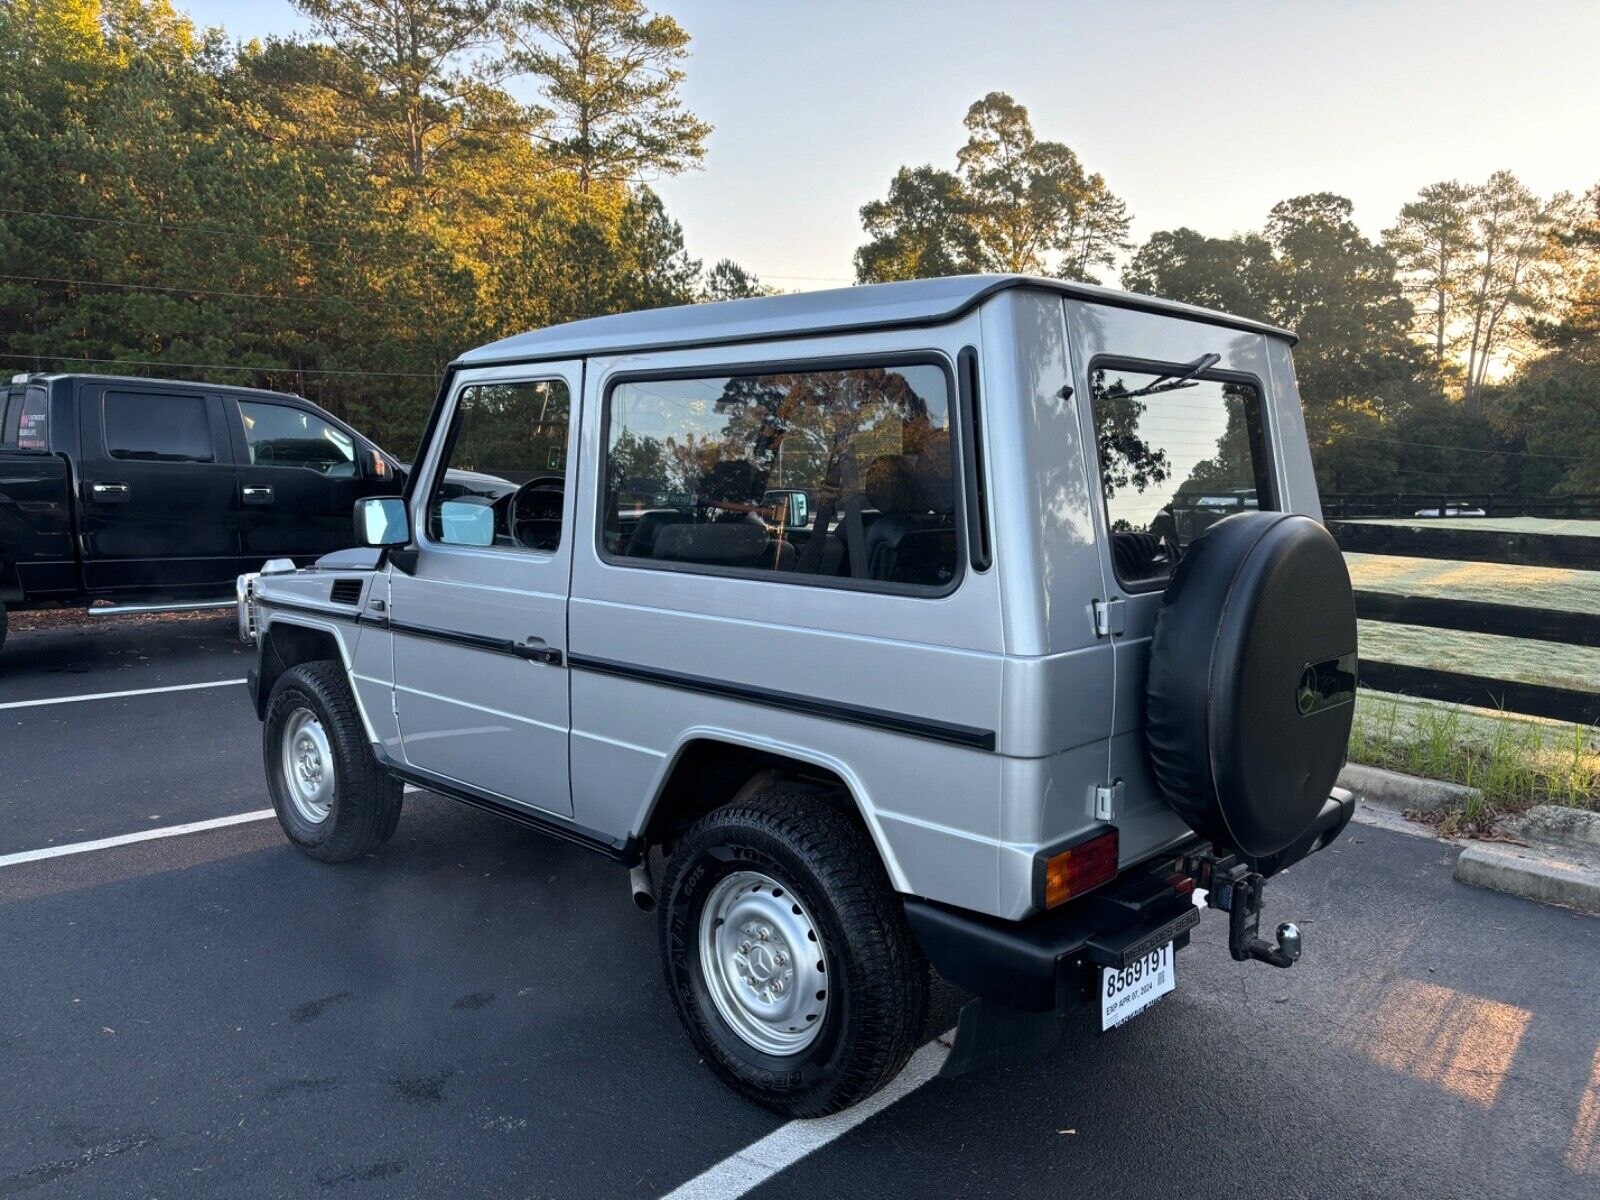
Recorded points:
1172,381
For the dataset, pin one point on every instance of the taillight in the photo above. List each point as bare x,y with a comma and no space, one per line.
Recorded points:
1081,869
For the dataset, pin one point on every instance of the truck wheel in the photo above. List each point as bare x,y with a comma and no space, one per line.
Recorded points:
788,955
332,798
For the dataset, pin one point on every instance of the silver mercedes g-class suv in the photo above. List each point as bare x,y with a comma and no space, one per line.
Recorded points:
863,613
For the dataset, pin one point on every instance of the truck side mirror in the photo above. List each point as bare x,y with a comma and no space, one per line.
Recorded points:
792,507
382,521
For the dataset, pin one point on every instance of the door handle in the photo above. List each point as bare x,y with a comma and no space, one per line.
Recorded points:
534,650
110,493
257,494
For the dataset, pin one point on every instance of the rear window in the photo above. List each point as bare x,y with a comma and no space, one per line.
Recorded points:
1176,456
26,420
158,428
810,475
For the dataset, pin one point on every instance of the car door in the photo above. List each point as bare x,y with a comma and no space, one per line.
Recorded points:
300,475
479,614
1173,413
158,511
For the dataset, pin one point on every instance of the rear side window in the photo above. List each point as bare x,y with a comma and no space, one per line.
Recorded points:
505,468
1176,457
26,418
158,428
281,436
805,475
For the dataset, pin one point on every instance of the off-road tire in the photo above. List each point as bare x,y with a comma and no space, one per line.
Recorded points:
366,805
877,976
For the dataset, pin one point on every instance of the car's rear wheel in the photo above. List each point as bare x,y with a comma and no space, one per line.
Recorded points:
332,797
788,955
2,626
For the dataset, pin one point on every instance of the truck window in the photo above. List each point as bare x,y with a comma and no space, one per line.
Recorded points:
26,418
505,468
1174,460
281,436
806,476
158,428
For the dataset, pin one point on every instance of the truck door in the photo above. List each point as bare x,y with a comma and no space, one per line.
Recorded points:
479,621
299,478
1173,418
158,513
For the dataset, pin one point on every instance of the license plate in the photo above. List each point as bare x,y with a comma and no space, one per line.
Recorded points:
1128,992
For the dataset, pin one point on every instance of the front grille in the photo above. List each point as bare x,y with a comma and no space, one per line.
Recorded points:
346,591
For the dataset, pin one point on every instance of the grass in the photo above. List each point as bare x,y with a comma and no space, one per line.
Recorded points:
1512,762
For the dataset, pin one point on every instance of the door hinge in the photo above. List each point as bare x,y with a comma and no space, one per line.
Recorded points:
1107,799
1108,617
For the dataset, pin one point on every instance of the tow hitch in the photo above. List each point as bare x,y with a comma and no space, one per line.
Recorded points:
1232,886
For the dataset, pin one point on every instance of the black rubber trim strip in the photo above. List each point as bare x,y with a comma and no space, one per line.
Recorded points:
540,654
936,731
1129,300
974,493
626,851
310,609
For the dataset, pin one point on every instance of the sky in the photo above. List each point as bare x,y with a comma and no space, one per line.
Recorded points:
1198,114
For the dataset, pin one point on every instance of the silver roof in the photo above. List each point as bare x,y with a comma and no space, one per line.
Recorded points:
837,310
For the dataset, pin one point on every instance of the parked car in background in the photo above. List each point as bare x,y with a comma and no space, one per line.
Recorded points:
1461,509
156,494
847,605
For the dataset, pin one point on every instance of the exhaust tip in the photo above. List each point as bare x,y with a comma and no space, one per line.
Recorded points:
642,886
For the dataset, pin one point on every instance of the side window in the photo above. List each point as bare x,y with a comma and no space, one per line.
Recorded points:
281,436
153,427
505,468
33,421
24,417
1176,457
837,474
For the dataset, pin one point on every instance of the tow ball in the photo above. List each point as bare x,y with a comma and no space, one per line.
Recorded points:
1235,889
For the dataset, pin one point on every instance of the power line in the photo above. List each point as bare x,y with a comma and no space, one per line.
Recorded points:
336,243
211,231
184,366
187,291
1362,437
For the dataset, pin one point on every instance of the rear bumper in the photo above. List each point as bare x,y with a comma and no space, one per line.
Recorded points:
1050,962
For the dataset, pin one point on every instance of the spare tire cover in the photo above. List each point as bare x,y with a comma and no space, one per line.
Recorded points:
1251,689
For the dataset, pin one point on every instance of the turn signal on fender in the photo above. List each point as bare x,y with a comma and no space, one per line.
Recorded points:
1081,869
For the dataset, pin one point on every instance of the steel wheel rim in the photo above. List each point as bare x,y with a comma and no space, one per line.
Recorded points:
764,963
307,766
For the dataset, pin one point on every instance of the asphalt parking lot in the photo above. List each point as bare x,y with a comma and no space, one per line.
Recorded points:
479,1011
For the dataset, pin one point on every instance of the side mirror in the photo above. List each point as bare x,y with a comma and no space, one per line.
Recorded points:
382,521
792,507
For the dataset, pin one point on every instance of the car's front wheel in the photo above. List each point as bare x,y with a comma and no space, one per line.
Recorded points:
332,797
787,953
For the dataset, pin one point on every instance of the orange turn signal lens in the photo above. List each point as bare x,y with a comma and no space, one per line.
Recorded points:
1083,868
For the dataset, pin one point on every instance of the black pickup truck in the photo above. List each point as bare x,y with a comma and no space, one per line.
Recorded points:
155,495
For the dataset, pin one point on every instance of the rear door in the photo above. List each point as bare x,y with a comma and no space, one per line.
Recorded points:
158,511
1173,455
299,478
480,624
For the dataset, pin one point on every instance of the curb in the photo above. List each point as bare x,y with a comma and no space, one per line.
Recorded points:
1519,871
1560,865
1402,793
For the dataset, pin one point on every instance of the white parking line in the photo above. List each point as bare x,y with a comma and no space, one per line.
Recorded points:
176,687
127,839
788,1144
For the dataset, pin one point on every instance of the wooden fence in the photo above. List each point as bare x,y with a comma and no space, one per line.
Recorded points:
1493,504
1439,541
